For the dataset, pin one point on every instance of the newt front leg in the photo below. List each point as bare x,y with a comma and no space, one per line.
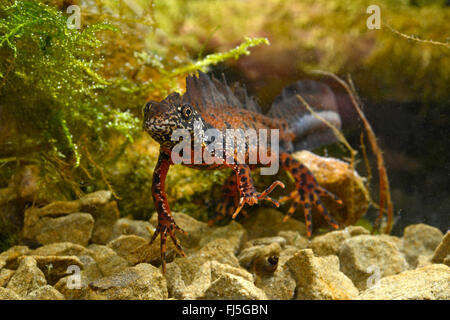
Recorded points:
166,223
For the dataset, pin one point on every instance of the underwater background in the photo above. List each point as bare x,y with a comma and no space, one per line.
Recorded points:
71,99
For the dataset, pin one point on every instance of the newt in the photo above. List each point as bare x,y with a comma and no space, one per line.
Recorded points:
209,103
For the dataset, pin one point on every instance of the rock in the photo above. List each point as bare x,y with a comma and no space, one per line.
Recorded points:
94,200
266,222
108,260
287,253
330,242
91,271
46,292
75,228
397,241
56,267
442,251
71,289
431,282
175,282
62,249
126,226
196,229
364,256
8,258
132,248
206,275
220,250
261,259
5,275
267,241
233,232
293,238
141,282
356,230
320,277
423,260
420,239
8,294
105,218
335,176
447,261
28,277
231,287
278,286
39,222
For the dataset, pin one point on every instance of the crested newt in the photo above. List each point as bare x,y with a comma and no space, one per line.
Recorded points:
209,103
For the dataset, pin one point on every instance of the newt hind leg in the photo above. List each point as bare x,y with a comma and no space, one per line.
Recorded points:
229,202
307,193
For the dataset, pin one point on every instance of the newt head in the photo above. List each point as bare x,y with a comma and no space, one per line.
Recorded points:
162,119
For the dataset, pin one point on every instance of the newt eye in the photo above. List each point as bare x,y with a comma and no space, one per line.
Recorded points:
186,111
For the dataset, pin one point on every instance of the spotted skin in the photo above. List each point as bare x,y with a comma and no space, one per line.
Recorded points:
307,192
209,104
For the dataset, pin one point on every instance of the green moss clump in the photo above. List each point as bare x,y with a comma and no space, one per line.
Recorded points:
71,99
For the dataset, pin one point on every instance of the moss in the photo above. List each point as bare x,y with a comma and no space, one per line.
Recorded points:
70,100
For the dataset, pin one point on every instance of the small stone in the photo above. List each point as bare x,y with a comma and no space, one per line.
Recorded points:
175,282
62,249
28,277
220,250
195,229
41,224
319,278
94,200
293,238
443,249
71,290
447,261
329,243
105,217
9,258
266,222
141,282
232,287
278,286
207,274
431,282
127,226
108,260
397,241
46,292
75,228
364,256
8,294
251,258
420,239
91,271
356,230
56,267
337,177
423,260
5,275
233,232
130,247
267,240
